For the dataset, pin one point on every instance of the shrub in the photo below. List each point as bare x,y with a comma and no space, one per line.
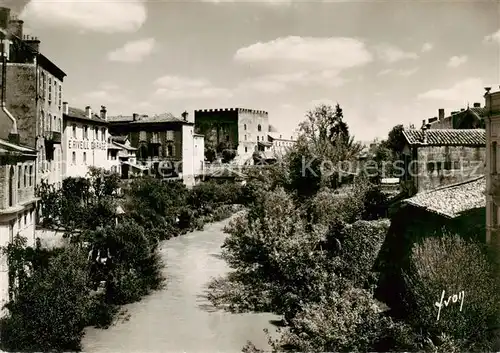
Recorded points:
452,264
52,308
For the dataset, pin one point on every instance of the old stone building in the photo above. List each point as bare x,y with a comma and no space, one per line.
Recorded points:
85,140
166,145
17,203
239,129
492,165
122,157
470,118
437,157
34,96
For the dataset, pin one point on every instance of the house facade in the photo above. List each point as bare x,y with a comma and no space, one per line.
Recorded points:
122,157
34,94
165,144
17,203
492,166
85,141
437,157
470,118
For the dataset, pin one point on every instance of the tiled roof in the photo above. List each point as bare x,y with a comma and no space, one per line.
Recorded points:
7,147
480,111
159,118
450,201
77,113
444,137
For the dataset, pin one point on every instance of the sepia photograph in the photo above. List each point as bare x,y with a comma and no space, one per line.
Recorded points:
221,176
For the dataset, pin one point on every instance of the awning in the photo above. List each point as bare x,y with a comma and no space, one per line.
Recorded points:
137,166
264,144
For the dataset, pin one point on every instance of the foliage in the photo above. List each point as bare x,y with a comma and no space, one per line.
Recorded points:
452,264
228,155
396,140
210,154
51,308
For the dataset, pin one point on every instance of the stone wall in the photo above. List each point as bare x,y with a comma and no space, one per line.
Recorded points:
445,165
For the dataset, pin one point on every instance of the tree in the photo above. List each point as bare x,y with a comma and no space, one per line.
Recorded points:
396,140
210,154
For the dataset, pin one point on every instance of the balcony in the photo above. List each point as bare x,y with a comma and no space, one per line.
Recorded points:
52,136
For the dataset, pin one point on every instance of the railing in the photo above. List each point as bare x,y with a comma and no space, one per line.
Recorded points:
52,136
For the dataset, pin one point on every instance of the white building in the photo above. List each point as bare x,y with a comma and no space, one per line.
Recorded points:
122,157
85,141
17,203
193,155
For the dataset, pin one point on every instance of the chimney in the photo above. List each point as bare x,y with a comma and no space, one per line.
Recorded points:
477,105
424,132
16,28
185,116
104,113
487,89
33,43
4,17
88,112
65,108
135,116
441,114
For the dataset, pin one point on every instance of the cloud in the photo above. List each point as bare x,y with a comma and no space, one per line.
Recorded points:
275,83
456,61
291,53
392,54
461,91
176,87
400,72
89,15
268,2
134,51
427,47
493,37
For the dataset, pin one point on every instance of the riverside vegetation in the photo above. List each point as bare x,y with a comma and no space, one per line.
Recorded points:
112,259
307,251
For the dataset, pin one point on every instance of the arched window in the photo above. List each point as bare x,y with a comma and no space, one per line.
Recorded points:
31,175
25,176
19,172
11,187
245,127
259,128
494,147
54,126
257,138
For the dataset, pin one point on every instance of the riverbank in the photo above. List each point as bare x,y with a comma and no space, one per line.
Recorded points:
178,318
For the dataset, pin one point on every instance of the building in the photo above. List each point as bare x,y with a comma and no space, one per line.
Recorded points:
85,140
470,118
17,203
35,93
122,157
437,157
456,209
281,144
165,144
243,130
492,107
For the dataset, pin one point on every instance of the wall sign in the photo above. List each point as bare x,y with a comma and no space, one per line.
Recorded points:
87,145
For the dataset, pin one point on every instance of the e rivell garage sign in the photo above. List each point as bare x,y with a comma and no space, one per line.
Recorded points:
87,145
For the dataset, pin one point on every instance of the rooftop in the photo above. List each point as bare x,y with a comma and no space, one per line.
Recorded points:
77,113
7,148
142,119
447,137
450,201
240,110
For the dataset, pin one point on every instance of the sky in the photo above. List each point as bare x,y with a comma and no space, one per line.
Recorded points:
384,62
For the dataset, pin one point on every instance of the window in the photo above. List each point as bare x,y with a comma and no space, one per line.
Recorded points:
245,127
170,135
494,157
84,157
103,134
245,137
19,172
42,119
31,175
430,166
74,131
259,128
246,149
11,186
55,124
60,125
50,90
96,133
74,157
60,96
19,222
47,122
25,219
25,176
257,138
86,132
170,150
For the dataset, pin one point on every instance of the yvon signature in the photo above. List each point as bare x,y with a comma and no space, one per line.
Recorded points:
454,298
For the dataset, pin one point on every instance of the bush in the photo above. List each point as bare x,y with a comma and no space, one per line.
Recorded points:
452,264
51,309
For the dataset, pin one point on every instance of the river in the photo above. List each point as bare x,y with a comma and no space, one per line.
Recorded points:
178,318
